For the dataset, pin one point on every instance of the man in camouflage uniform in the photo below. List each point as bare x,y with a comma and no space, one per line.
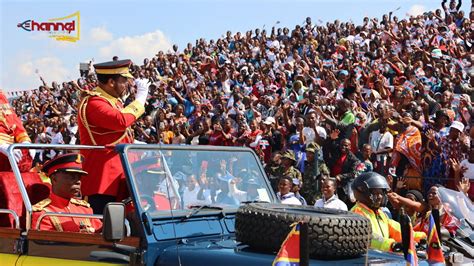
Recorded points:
314,171
286,168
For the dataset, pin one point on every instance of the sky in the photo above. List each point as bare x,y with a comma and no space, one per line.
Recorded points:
139,29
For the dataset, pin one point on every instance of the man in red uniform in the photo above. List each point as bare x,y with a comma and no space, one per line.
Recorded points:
103,120
65,172
11,131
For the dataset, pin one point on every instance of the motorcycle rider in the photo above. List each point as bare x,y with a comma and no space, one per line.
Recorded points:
370,190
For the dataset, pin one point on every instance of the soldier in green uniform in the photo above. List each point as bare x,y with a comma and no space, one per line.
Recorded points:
286,167
271,169
314,171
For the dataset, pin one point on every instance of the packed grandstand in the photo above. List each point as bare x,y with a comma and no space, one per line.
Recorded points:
392,95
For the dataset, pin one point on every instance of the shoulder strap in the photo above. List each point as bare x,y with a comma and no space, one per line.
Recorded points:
380,140
55,221
80,202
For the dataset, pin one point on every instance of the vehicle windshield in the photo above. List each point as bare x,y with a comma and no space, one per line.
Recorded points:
178,179
458,204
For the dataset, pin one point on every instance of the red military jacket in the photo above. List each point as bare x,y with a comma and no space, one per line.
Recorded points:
56,203
11,129
103,120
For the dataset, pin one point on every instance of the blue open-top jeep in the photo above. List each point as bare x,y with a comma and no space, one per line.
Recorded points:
189,205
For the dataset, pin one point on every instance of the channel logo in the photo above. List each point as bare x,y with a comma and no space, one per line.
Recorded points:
62,29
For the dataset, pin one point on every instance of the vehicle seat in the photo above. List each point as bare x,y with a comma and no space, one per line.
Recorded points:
10,196
36,192
162,202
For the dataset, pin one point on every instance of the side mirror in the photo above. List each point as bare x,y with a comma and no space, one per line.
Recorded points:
113,228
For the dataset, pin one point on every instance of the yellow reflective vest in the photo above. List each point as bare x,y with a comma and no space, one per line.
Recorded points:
385,231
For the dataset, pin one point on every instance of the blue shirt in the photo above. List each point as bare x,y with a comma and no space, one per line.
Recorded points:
188,107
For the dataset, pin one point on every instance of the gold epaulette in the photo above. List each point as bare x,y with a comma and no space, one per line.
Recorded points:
41,205
85,93
80,202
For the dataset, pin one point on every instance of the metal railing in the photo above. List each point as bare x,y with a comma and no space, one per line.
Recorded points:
16,170
76,215
15,216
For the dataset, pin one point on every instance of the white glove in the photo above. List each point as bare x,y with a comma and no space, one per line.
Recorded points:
138,142
16,153
142,90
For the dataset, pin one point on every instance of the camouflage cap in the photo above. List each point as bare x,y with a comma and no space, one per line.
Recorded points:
312,147
289,155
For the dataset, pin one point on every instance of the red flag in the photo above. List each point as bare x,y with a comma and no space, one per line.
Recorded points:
289,254
434,252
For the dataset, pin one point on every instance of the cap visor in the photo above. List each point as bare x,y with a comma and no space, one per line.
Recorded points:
75,171
127,75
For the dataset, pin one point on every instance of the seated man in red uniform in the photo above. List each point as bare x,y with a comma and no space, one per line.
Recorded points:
65,172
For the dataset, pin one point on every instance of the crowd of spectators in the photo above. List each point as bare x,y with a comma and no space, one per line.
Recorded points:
316,101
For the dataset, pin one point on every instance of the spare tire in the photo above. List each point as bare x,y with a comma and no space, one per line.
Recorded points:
332,233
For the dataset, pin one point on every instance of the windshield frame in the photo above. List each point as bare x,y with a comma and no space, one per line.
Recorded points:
124,149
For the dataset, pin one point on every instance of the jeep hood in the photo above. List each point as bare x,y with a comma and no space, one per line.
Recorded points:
229,252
